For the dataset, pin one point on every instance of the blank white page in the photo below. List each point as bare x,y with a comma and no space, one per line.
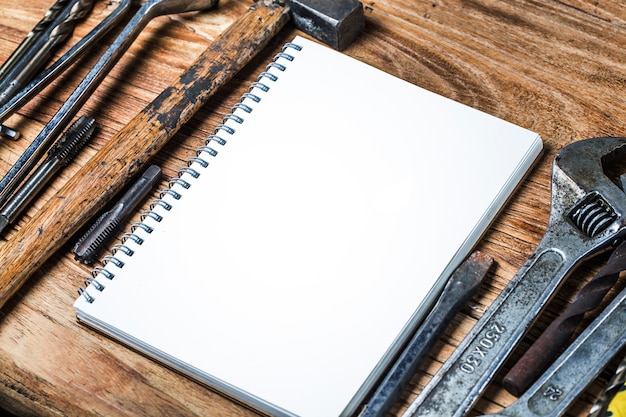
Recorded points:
317,238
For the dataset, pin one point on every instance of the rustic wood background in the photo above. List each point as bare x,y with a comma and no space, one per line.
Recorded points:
552,66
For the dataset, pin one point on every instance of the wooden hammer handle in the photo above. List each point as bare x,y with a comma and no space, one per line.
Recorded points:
126,153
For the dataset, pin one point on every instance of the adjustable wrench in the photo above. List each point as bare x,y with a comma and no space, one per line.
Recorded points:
555,391
587,216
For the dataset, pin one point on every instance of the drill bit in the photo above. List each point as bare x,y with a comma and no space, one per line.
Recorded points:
33,52
42,142
545,349
600,407
78,50
63,151
32,60
32,37
104,229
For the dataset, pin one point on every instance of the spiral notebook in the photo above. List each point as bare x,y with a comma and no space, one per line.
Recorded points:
290,260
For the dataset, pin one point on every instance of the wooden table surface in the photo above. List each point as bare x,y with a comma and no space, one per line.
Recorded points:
555,67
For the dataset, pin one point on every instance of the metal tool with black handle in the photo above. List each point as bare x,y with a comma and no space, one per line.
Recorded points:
461,286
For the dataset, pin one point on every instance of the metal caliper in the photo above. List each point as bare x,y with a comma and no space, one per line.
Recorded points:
587,216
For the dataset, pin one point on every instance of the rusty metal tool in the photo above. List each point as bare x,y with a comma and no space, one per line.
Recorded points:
68,58
40,47
149,10
336,23
547,347
461,286
61,153
56,14
557,389
131,148
93,242
36,32
587,216
32,53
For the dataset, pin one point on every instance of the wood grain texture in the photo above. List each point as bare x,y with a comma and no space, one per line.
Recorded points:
555,67
128,151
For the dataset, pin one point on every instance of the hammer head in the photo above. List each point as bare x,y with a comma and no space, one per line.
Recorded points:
335,22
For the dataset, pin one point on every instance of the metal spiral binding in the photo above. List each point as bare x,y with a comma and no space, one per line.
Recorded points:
132,236
178,185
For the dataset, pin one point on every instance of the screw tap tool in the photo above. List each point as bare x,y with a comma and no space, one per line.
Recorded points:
587,216
127,152
59,156
108,224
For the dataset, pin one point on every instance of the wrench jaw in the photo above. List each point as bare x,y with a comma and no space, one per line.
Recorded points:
589,201
587,216
588,210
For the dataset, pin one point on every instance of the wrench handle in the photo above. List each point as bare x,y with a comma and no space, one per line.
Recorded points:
129,150
556,336
465,375
577,367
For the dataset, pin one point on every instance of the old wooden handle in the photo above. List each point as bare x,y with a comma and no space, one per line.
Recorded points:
126,153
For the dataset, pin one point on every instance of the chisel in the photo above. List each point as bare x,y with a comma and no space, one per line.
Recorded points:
459,289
